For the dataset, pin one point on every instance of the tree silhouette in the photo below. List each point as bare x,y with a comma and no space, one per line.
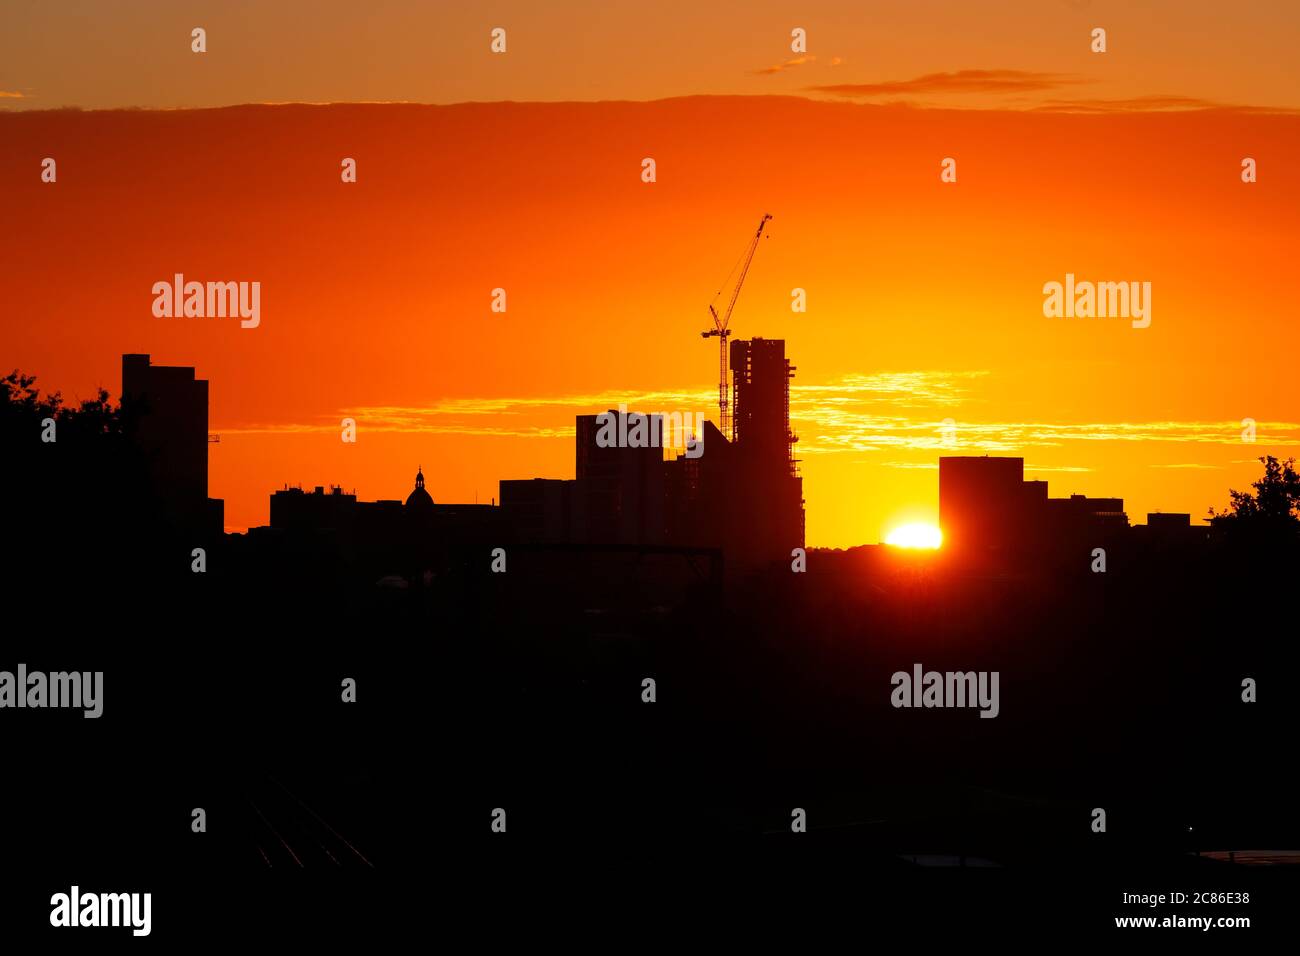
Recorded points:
22,409
1267,516
1276,497
74,503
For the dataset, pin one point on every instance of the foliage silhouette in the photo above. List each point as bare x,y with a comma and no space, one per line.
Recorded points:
1267,518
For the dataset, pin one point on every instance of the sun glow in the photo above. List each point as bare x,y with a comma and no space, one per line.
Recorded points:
918,535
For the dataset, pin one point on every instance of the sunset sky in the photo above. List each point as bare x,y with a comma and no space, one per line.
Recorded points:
137,52
924,298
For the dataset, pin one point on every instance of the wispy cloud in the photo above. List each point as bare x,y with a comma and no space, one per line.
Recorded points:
1017,89
789,65
836,429
1163,103
959,81
928,412
517,417
914,389
12,95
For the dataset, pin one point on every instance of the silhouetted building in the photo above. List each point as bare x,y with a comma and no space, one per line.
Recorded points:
388,536
292,509
420,511
419,500
616,498
744,497
701,507
166,410
620,486
990,515
984,504
761,387
1172,532
765,489
544,510
1171,523
1106,514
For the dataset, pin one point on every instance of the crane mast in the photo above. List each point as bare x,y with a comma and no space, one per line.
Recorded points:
722,330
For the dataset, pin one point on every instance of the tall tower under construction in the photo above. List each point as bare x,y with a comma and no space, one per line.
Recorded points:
766,487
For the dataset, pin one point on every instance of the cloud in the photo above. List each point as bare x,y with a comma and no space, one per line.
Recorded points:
12,95
961,81
1160,103
927,412
789,65
553,414
836,427
909,411
910,389
1020,82
517,417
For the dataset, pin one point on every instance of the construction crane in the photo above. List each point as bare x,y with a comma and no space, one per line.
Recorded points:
722,328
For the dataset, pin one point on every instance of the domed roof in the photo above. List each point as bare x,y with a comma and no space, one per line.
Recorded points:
419,499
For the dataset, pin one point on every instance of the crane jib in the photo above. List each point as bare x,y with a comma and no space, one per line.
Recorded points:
722,328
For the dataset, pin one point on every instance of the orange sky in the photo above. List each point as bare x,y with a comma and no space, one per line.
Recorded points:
924,298
137,52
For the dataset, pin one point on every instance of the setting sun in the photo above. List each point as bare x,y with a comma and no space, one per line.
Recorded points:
918,535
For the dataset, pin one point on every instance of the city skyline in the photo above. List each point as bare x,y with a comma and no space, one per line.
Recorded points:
363,317
638,459
639,482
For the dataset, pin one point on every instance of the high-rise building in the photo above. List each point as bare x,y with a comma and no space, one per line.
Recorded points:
166,410
983,503
760,375
744,497
765,487
989,513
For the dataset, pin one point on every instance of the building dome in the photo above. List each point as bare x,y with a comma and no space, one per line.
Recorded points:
419,500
